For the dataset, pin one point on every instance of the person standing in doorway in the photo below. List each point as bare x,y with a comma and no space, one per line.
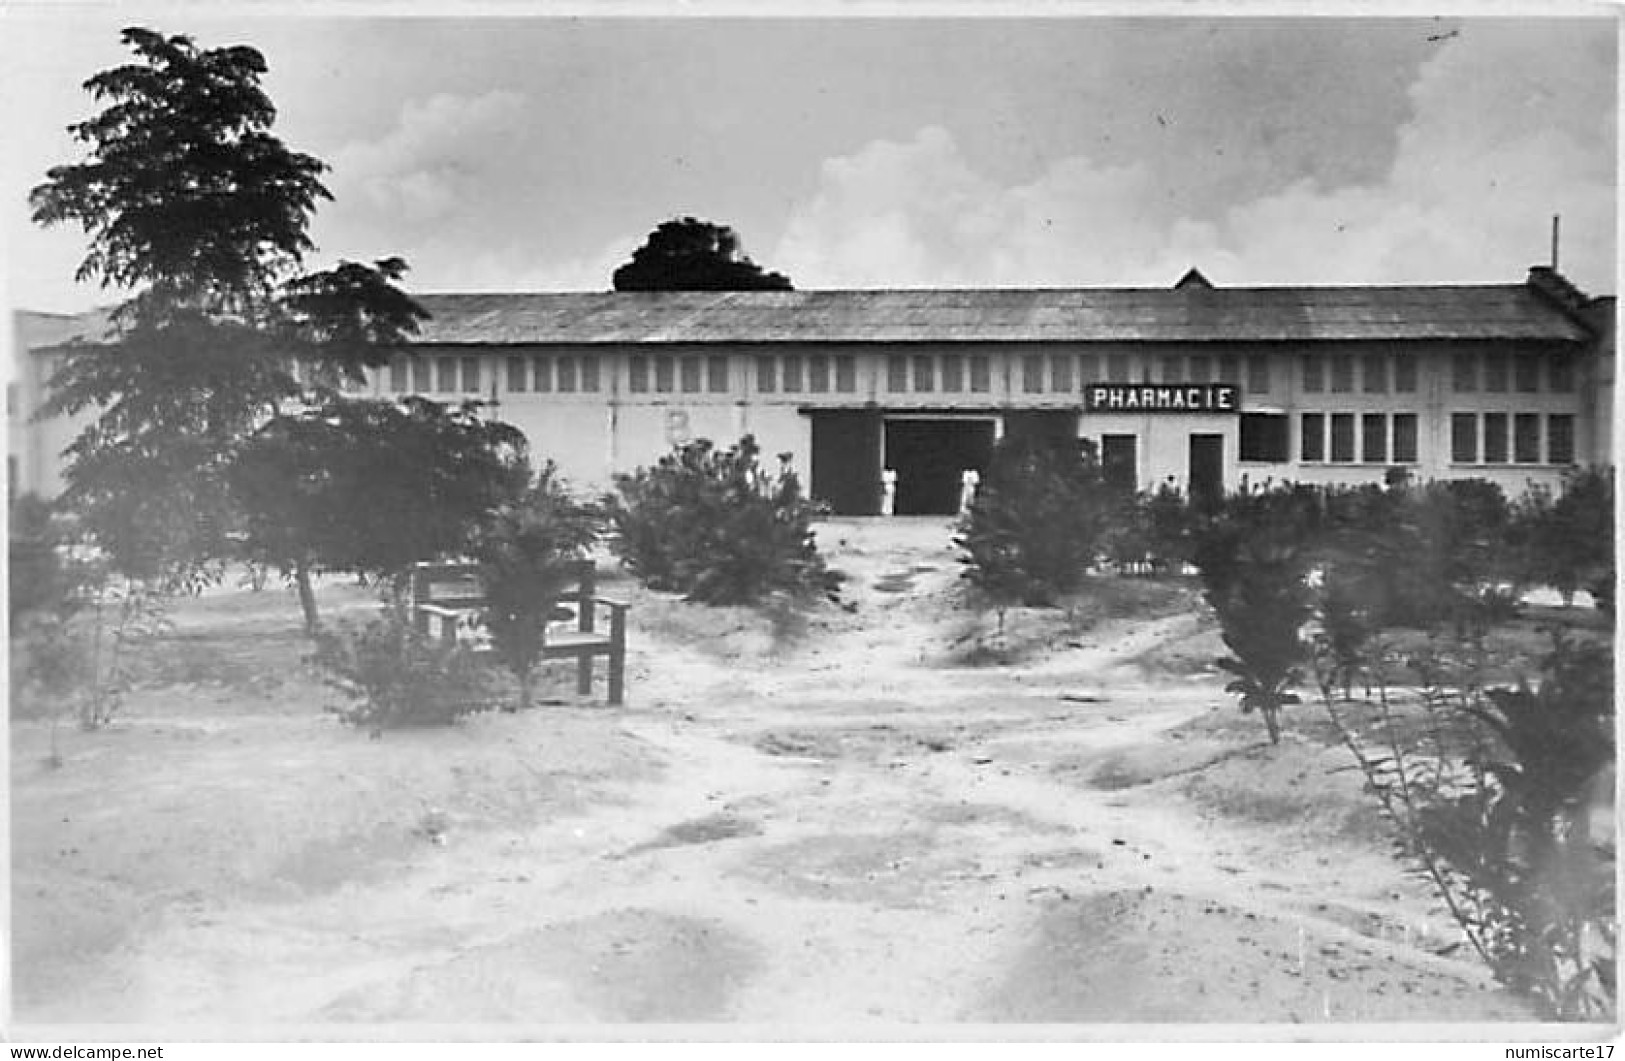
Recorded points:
969,480
888,491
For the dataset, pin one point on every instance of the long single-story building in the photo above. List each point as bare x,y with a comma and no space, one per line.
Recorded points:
1197,385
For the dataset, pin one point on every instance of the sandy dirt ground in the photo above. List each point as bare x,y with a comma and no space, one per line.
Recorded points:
862,819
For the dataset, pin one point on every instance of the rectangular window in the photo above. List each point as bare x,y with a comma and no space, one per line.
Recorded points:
1495,373
716,374
953,373
1088,368
1342,374
1560,375
542,373
791,380
664,373
925,372
1375,370
1464,373
1032,374
1060,373
1265,437
766,375
1312,438
589,373
1230,369
1496,439
1526,438
420,375
1404,375
1118,368
1528,373
1201,369
1464,438
981,375
518,377
567,374
688,370
1343,438
1374,438
1173,369
471,375
1560,439
1314,375
398,371
846,373
818,373
897,373
1258,373
1404,438
445,374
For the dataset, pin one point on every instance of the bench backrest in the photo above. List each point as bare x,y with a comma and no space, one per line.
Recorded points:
454,585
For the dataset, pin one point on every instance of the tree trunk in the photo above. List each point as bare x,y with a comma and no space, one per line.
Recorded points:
307,597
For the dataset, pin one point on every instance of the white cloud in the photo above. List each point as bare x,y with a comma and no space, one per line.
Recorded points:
1503,135
435,160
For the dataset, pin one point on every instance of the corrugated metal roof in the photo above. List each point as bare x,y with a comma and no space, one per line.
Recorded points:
1190,314
1509,311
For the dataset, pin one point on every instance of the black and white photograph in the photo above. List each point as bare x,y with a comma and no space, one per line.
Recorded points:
852,523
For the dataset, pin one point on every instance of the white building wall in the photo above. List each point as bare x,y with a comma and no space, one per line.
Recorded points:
605,424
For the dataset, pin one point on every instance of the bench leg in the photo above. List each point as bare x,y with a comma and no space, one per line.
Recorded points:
584,673
617,658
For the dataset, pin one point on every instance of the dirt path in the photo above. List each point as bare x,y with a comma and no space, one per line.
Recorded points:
837,830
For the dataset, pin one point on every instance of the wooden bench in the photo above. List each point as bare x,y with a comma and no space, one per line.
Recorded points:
447,601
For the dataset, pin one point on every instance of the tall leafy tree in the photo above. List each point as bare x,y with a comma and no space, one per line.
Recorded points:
687,254
201,216
369,487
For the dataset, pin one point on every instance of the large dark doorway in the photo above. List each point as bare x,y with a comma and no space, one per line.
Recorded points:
1207,469
846,460
929,456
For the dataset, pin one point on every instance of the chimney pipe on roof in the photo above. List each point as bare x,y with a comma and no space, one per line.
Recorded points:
1556,221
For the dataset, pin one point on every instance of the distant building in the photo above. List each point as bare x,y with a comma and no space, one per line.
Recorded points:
1197,385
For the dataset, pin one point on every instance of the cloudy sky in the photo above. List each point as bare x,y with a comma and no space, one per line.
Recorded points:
536,153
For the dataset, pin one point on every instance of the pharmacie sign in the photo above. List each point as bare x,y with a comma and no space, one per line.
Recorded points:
1162,398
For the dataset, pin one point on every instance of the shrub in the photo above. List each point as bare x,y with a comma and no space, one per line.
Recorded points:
527,552
1254,553
713,525
393,675
1568,542
1040,519
1489,791
1152,531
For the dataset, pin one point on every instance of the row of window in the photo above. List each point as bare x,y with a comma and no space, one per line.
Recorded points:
1497,373
1391,438
1068,373
463,375
1369,438
669,375
1377,373
1511,438
812,374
